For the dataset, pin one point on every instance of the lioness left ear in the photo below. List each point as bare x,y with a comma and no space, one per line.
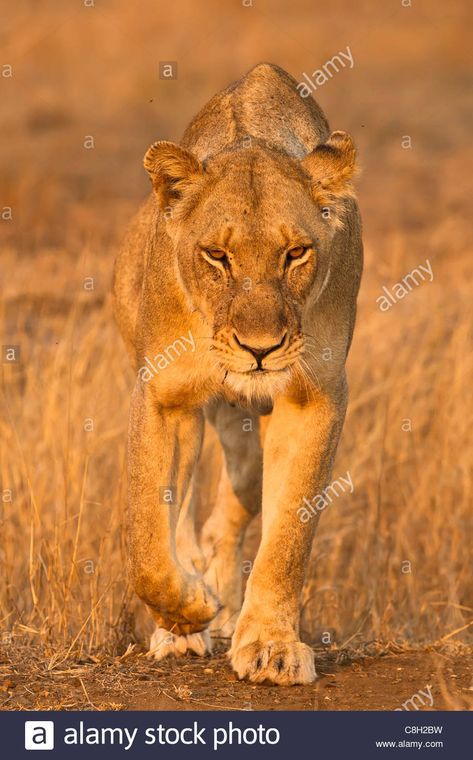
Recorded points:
172,170
332,167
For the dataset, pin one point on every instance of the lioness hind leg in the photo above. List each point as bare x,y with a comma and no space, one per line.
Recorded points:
164,643
188,550
238,500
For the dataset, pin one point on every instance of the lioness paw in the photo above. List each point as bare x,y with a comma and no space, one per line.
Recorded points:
164,643
281,662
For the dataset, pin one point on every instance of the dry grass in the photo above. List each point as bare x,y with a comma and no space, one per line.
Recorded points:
93,72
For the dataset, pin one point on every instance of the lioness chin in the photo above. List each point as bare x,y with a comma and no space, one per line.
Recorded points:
250,245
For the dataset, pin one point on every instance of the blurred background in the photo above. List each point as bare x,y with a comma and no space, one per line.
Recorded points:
81,100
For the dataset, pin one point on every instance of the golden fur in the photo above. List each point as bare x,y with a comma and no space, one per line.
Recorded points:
250,245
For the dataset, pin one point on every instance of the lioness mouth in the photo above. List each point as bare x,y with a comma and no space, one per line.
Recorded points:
263,371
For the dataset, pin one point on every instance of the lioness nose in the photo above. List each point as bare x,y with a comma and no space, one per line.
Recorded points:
260,351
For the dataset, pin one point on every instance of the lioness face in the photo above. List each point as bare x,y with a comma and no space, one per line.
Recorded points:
252,243
250,254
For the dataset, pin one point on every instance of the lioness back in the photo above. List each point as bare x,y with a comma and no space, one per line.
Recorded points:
263,104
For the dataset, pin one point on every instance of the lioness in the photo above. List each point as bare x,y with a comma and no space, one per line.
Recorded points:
235,292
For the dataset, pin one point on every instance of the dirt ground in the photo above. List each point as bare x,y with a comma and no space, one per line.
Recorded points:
372,678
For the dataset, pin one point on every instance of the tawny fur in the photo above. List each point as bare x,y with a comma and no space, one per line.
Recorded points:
250,243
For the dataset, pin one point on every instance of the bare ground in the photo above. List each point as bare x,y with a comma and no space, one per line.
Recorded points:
374,677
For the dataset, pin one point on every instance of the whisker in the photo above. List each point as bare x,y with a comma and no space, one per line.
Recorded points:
302,380
311,373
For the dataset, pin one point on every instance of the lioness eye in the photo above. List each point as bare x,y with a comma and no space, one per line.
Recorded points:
296,253
216,253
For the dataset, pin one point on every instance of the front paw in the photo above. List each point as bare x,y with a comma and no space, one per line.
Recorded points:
184,609
280,662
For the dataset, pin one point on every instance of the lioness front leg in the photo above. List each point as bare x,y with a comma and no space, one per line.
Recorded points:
163,447
299,449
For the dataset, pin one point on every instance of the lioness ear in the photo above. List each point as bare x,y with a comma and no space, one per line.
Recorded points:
172,170
332,167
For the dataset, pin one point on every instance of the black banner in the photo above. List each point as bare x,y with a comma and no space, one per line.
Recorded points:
233,735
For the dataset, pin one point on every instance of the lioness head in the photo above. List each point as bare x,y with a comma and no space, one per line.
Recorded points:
252,230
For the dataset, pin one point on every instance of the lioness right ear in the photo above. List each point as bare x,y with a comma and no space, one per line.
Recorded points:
332,167
172,170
